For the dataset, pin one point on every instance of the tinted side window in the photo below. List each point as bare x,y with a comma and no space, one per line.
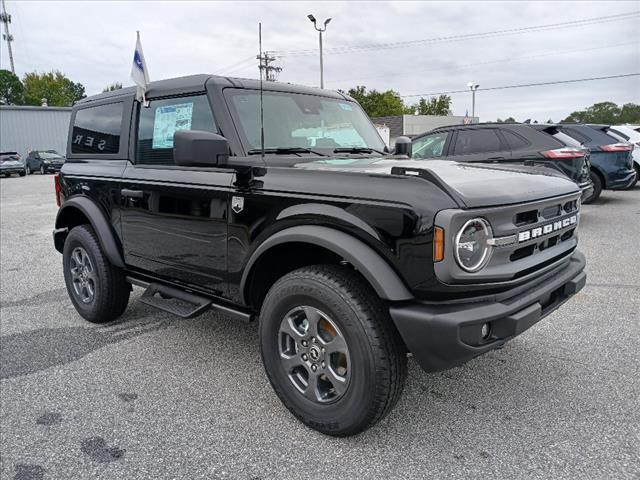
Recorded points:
430,146
97,129
476,141
514,140
158,122
581,137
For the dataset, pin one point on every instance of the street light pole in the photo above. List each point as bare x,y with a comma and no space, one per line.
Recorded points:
320,31
473,86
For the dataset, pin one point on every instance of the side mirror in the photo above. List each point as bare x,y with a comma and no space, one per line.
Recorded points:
403,146
193,148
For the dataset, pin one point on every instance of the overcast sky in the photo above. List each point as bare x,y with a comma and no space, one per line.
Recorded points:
93,43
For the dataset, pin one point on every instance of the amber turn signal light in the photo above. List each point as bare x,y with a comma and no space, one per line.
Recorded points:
438,244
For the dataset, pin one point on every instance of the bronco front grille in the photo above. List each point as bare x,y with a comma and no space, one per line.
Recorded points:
533,237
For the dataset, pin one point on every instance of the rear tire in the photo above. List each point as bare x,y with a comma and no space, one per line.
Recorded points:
97,289
28,170
358,384
23,173
597,188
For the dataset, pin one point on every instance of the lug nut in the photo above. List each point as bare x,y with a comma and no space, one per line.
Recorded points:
324,350
314,367
323,365
304,356
313,339
304,343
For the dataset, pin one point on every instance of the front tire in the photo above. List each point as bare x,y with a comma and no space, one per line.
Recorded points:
42,170
97,289
28,170
330,349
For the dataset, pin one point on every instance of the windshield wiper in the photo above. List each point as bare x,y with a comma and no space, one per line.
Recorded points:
357,150
284,151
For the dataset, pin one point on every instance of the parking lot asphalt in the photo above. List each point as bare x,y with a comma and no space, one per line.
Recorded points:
153,396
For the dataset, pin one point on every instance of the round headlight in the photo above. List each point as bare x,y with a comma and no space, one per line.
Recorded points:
471,248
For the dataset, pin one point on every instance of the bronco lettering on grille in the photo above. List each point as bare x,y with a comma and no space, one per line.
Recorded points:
547,229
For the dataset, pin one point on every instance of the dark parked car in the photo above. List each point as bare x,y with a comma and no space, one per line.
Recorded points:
611,160
346,255
625,134
11,162
506,143
44,161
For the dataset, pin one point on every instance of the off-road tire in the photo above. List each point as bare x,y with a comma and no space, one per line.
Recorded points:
378,355
597,188
111,289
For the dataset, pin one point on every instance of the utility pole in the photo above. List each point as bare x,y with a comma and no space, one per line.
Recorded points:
473,86
5,18
270,71
320,31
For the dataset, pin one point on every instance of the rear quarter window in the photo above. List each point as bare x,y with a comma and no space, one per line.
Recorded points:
514,140
97,130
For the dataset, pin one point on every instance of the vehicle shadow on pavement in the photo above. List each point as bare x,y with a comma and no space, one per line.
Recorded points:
31,351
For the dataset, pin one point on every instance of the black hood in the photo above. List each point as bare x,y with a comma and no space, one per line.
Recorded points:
470,184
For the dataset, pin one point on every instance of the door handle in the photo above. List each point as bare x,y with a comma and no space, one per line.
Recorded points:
125,192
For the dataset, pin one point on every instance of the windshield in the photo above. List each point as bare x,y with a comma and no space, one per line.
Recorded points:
294,120
50,156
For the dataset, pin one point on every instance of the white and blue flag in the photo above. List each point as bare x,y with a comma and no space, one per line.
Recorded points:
139,72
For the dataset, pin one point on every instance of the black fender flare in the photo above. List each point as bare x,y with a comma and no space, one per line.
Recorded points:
382,277
100,224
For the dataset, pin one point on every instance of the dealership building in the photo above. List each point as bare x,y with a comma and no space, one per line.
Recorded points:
24,128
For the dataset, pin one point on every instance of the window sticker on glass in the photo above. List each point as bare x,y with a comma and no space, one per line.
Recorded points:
168,120
346,106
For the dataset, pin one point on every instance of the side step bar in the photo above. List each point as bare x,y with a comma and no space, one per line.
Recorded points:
181,303
172,300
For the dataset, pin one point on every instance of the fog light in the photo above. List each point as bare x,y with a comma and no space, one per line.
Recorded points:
485,331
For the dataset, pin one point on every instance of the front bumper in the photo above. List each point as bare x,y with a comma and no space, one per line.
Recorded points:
444,335
622,180
587,190
52,168
10,170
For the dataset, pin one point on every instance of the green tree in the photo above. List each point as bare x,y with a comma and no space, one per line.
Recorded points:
112,87
440,105
378,104
11,89
603,112
59,90
630,113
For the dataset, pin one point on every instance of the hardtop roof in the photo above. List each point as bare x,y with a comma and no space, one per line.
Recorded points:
197,83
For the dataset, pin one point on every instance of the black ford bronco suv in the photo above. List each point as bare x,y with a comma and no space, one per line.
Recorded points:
349,257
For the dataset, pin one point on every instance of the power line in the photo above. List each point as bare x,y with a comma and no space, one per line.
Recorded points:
490,62
235,66
523,85
469,36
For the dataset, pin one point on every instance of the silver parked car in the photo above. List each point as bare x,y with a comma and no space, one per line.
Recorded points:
11,162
